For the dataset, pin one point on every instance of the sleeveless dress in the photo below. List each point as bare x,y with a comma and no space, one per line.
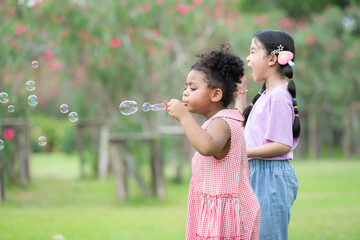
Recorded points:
221,202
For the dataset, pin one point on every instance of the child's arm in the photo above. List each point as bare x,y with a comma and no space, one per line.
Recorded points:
207,143
240,99
270,149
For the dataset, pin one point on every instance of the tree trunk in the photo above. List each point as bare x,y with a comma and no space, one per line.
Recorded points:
22,156
130,164
2,180
104,151
313,135
80,150
158,185
118,173
355,131
347,140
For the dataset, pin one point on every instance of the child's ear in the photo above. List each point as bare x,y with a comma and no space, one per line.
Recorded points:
272,60
217,95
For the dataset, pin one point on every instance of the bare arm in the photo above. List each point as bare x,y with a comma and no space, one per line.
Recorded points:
240,102
270,149
207,143
240,99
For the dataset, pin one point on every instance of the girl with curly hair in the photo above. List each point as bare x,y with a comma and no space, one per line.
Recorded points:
221,202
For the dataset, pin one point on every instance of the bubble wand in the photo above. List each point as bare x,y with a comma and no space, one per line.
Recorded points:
156,107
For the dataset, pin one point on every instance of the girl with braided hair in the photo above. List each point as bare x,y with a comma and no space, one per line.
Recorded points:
221,202
272,129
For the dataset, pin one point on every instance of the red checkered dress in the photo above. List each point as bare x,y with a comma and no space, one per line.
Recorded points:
221,203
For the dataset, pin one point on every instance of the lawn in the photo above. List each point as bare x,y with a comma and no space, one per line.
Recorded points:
59,203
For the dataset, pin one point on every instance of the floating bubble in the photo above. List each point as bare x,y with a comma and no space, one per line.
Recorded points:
11,108
4,97
156,107
64,108
128,107
2,145
73,117
35,64
30,86
42,141
32,100
58,237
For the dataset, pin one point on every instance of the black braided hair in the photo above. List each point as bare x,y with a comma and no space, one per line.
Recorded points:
270,40
222,69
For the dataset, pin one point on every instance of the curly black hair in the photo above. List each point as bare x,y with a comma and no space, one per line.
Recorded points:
222,69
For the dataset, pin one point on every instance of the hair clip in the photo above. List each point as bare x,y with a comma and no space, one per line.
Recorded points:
279,49
285,57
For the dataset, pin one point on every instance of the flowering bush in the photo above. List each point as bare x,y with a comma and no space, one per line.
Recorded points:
93,56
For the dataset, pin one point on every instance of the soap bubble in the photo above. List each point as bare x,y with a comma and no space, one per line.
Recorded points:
42,141
35,64
156,107
64,108
58,237
128,107
30,86
2,145
32,100
4,97
11,108
73,117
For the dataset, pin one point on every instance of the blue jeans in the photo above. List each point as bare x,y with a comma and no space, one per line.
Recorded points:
275,185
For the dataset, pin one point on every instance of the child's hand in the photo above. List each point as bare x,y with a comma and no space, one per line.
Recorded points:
243,85
177,109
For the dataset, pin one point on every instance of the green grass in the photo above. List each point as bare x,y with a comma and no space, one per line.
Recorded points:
58,202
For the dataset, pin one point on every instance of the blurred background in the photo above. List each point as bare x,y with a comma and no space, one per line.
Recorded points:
92,55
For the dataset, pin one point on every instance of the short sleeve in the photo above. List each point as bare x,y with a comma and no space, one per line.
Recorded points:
280,123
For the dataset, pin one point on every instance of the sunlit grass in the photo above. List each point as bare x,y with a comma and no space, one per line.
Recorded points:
59,202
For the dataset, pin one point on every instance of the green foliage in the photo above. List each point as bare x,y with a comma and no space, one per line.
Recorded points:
294,9
54,129
94,56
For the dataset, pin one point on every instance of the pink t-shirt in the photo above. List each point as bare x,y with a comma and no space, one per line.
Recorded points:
271,120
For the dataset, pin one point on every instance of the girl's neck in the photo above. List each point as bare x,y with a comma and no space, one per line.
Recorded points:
214,110
273,82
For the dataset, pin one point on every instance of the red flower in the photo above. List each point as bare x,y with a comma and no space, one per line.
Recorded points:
55,65
197,1
287,22
85,36
97,40
183,9
9,134
115,43
261,20
64,33
13,43
48,54
30,35
19,30
310,39
151,50
10,12
159,2
349,54
144,8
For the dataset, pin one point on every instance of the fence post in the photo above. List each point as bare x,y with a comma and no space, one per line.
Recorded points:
104,151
